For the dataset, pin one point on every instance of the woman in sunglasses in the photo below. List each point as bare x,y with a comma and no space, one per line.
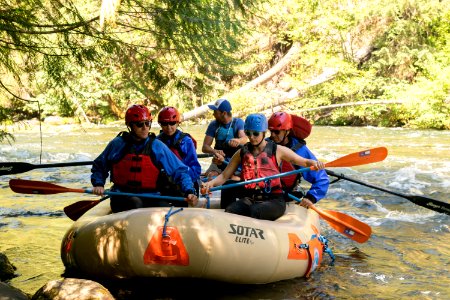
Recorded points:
182,144
259,158
134,159
282,133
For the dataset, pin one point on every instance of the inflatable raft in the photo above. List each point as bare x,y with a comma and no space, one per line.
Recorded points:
195,243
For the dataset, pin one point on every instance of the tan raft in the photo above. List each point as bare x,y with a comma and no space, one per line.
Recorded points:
193,242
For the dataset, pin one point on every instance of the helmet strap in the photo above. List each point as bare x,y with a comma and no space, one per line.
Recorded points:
285,139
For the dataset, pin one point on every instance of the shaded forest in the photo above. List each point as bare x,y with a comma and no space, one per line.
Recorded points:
349,63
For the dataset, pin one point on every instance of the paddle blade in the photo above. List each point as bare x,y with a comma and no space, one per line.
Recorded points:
350,227
39,187
436,205
14,167
76,210
360,158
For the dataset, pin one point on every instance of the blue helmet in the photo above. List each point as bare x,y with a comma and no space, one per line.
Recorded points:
256,122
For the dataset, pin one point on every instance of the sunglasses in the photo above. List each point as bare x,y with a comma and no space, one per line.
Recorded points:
168,123
141,124
276,132
249,133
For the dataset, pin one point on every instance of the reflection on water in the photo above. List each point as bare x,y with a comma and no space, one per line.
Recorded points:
406,257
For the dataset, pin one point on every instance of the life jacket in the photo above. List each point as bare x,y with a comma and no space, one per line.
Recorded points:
136,171
289,182
223,135
263,165
176,148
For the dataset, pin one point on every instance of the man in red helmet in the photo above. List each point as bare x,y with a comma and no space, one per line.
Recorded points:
280,126
182,145
134,159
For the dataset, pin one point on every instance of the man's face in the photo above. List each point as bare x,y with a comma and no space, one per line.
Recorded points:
141,129
278,136
219,116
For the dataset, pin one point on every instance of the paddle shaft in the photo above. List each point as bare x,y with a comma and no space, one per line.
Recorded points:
429,203
46,188
7,168
350,160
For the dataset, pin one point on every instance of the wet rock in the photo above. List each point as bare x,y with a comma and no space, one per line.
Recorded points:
7,270
73,289
8,292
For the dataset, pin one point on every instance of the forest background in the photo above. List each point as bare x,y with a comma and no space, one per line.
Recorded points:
352,63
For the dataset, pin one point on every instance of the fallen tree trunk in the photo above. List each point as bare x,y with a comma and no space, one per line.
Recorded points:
334,106
276,69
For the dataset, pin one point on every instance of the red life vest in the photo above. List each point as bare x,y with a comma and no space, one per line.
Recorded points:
136,171
289,182
263,165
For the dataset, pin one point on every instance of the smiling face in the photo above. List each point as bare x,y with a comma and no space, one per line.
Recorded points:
279,136
141,129
169,128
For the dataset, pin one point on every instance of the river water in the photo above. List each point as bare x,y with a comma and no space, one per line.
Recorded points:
407,256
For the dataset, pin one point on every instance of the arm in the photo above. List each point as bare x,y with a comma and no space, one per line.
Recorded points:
191,159
226,174
286,154
101,166
175,169
319,179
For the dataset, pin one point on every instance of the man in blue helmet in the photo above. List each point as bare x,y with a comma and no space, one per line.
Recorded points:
259,158
228,133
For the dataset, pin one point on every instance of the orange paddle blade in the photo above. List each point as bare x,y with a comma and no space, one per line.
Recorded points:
345,224
360,158
39,187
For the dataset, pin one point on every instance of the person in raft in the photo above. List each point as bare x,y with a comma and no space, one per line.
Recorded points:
182,144
228,134
280,126
259,158
134,160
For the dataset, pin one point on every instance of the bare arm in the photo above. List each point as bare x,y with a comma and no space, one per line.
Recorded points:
226,174
286,154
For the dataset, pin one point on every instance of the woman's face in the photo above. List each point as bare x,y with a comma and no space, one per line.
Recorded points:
255,137
169,128
141,129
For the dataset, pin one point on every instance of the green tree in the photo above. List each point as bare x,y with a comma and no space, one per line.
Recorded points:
136,49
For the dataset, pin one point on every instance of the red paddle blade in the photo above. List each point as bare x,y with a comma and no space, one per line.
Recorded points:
360,158
346,225
39,187
76,210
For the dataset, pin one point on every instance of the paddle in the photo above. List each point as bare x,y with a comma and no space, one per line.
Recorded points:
349,160
429,203
342,223
21,167
74,211
7,168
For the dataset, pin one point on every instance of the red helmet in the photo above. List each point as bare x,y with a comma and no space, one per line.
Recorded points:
137,113
280,121
169,114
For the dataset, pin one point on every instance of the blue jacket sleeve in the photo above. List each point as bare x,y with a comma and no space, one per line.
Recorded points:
173,167
319,179
191,159
102,165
